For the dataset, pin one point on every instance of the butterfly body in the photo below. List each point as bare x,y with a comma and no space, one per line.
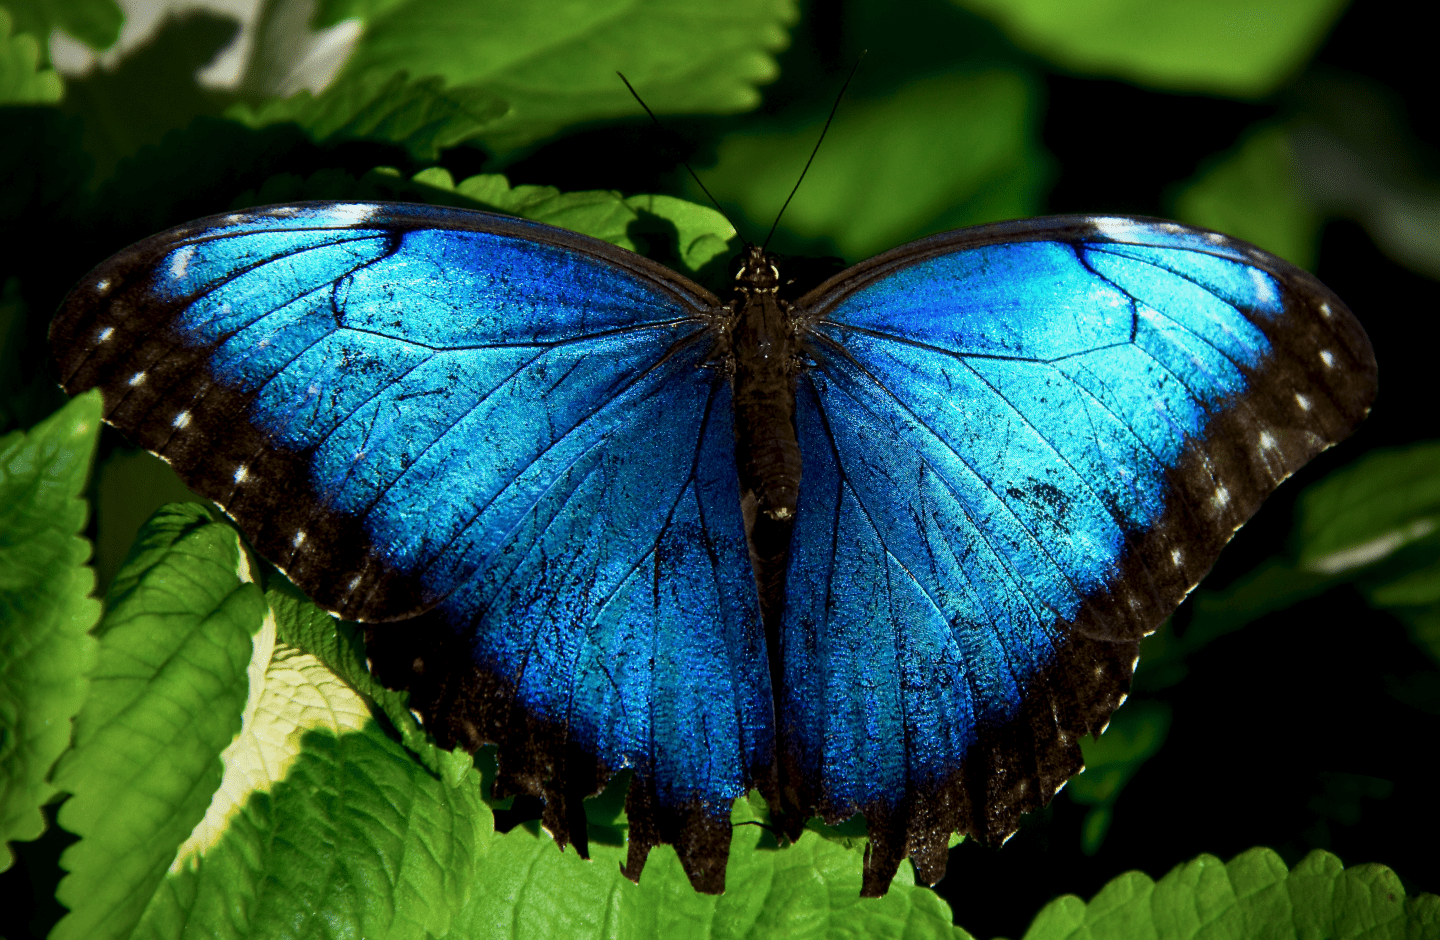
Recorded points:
579,475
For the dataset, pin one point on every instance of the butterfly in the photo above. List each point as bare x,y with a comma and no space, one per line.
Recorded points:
885,548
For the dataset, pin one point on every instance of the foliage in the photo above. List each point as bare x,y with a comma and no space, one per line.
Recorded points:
211,755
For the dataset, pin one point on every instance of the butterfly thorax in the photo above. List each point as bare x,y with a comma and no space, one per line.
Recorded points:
763,357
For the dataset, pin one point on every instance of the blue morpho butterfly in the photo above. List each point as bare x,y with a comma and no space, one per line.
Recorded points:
888,547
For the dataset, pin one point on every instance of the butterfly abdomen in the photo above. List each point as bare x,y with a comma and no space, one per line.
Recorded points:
762,349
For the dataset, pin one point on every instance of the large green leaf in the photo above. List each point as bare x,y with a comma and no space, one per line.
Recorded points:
321,819
555,61
1254,193
421,116
46,611
94,22
23,80
957,150
1251,896
1244,48
166,698
811,889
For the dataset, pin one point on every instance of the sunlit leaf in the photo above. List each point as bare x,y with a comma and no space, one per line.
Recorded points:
321,815
46,611
1232,47
166,698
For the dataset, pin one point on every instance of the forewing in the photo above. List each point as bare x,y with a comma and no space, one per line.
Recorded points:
1023,445
503,424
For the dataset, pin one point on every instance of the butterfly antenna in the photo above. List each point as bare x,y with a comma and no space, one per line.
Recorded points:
833,108
693,176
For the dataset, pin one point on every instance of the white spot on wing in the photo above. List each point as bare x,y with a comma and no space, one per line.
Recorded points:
102,285
241,472
352,213
180,261
1267,441
354,583
1325,310
182,420
1264,286
1176,555
1221,497
137,378
1215,238
1302,401
105,334
1114,228
1327,357
299,538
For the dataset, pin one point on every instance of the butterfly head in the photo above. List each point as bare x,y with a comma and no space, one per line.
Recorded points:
758,272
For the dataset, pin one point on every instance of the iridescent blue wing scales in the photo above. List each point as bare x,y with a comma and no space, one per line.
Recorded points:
505,426
1023,445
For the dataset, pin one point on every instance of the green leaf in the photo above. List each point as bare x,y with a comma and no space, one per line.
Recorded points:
527,888
555,61
1252,895
421,115
1254,192
320,814
46,611
958,150
690,238
166,698
23,80
1369,510
94,22
1242,48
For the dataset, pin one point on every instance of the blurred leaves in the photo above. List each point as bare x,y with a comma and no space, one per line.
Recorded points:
1357,157
555,62
1241,48
958,150
23,80
46,611
94,22
1372,524
1137,730
1254,192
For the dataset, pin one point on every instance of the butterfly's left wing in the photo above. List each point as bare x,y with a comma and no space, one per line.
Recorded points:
1023,445
504,427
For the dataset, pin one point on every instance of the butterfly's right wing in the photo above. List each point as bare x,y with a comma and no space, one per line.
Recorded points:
506,425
